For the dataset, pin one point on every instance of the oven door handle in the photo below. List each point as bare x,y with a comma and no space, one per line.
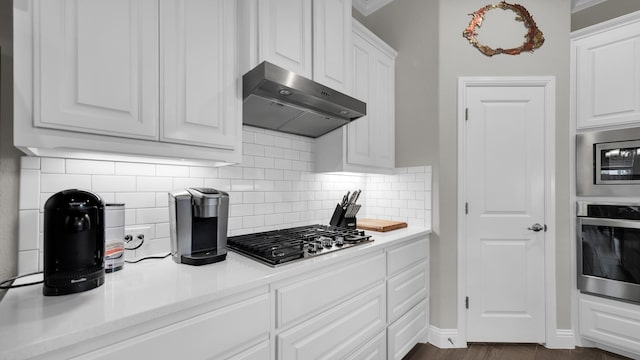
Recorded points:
631,224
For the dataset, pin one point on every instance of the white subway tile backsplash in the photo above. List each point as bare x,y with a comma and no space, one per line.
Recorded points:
265,139
29,192
91,167
254,197
274,152
274,187
241,210
203,172
147,183
30,162
253,221
113,183
253,174
134,200
183,183
263,162
152,216
218,184
263,209
230,172
172,170
28,224
125,168
52,165
53,183
253,149
28,261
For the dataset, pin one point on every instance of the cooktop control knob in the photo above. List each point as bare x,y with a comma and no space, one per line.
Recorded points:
313,247
339,241
326,242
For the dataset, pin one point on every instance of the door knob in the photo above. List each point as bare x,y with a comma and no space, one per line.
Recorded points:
537,227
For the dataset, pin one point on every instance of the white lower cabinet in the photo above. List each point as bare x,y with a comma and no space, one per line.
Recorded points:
376,349
261,351
321,292
218,334
337,332
407,289
409,330
614,324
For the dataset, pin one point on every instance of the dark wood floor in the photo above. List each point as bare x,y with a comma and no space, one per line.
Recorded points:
482,351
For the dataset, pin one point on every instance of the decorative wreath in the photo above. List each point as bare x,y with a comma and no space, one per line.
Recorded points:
533,39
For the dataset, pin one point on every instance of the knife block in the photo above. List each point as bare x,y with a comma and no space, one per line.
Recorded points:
340,220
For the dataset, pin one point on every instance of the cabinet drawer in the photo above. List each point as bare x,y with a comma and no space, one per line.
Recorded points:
207,336
258,352
375,349
318,293
610,322
407,289
406,255
337,332
405,333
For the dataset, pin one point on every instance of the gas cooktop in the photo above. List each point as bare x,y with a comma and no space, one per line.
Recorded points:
283,246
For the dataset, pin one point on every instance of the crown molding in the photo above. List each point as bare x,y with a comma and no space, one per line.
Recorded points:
368,7
578,5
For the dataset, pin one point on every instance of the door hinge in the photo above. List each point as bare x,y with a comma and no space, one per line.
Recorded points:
466,208
466,114
466,302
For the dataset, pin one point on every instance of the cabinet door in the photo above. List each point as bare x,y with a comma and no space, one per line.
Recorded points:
200,81
96,67
332,44
607,86
284,34
610,322
337,332
371,139
212,335
409,330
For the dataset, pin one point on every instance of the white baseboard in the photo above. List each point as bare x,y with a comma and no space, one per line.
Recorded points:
445,338
449,339
564,339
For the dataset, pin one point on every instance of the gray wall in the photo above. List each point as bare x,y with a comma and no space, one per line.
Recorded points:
9,156
605,11
458,58
411,27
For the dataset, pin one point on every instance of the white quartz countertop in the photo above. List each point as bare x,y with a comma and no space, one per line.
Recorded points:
32,324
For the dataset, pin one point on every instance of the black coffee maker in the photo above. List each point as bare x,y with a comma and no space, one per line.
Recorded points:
73,242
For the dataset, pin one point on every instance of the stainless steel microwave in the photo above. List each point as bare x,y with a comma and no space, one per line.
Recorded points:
608,163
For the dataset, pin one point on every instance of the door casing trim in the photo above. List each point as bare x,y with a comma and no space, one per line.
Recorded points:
549,85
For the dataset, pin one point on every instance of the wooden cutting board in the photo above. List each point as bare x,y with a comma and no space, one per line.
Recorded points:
380,225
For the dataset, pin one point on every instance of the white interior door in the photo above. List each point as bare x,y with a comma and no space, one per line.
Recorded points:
505,195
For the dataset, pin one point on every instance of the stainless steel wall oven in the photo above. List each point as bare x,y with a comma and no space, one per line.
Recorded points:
608,163
608,242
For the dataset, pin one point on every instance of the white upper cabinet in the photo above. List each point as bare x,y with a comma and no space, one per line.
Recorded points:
332,55
200,73
93,80
309,37
367,144
153,79
606,73
284,36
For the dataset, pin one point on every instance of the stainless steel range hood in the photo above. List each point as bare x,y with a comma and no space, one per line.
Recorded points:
278,99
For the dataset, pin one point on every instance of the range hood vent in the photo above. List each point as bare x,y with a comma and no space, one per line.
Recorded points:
278,99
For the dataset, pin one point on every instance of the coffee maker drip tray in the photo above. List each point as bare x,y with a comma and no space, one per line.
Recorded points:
284,246
204,257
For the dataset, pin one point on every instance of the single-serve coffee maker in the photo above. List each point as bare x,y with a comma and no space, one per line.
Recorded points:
73,242
198,225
